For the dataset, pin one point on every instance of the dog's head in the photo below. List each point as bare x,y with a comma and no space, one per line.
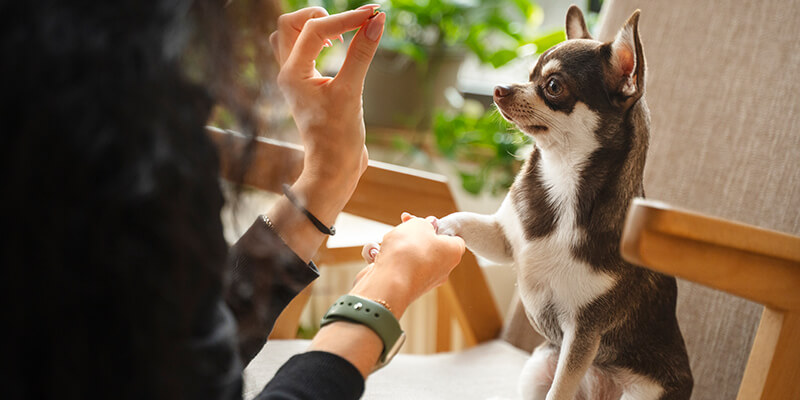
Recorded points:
576,84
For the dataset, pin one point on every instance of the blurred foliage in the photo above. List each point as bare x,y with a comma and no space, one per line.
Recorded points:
485,147
231,58
494,30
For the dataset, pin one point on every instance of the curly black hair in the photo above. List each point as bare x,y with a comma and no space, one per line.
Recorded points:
111,203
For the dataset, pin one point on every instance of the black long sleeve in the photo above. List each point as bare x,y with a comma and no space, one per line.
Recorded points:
265,275
315,375
114,278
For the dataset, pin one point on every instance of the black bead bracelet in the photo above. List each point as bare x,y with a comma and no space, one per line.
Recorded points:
320,226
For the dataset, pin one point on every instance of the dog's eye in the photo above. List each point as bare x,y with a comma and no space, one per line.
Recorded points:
554,87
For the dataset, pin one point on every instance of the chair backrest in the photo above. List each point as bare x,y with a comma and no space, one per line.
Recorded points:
722,84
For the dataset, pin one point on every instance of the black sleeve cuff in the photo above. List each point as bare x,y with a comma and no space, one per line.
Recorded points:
315,375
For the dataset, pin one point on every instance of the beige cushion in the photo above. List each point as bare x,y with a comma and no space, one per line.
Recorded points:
485,371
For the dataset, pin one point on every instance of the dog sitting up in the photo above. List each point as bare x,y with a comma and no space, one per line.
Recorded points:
610,326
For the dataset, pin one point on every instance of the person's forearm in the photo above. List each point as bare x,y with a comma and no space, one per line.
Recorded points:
357,343
324,197
354,342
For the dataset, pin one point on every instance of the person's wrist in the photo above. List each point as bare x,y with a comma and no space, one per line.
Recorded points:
389,299
391,289
325,194
332,179
341,170
335,158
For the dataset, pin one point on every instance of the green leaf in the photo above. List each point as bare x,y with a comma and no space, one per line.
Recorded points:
472,183
401,144
502,57
549,40
485,141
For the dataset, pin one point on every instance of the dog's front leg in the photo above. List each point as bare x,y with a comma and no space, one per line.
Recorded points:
482,234
578,350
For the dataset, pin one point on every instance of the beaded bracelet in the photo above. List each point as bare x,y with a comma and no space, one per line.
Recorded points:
317,223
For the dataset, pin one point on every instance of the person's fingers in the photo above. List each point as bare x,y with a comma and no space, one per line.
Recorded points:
406,216
369,7
313,35
359,54
364,160
433,221
276,50
289,27
370,251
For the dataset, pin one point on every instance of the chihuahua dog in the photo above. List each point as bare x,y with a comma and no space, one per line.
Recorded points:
610,326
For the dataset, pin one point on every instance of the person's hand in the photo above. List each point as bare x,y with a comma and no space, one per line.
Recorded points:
328,111
411,260
328,114
370,250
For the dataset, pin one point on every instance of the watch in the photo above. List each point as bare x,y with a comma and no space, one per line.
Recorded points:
375,316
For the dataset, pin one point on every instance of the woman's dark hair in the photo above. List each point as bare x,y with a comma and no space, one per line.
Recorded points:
113,245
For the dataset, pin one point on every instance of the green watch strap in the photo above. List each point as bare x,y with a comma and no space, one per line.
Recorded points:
373,315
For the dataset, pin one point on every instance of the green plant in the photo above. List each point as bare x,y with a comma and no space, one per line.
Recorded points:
485,147
494,30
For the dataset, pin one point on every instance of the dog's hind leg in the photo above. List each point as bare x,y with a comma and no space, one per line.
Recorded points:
638,387
578,350
538,373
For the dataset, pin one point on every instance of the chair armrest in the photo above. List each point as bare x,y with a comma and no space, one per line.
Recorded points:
754,263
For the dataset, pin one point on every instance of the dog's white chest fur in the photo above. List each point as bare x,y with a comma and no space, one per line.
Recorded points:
547,270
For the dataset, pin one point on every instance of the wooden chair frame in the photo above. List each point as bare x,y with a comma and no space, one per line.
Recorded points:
382,194
754,263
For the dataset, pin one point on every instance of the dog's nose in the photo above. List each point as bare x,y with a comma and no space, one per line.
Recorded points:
502,91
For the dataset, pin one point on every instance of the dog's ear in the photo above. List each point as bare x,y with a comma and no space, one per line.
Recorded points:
576,26
627,61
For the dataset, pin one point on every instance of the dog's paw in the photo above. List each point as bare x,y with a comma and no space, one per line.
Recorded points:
448,225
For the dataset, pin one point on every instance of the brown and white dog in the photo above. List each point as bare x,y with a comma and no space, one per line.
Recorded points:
610,327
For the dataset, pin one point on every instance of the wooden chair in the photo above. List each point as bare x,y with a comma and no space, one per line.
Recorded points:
754,263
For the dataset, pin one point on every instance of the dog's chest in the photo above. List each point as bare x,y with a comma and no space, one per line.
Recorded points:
553,284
